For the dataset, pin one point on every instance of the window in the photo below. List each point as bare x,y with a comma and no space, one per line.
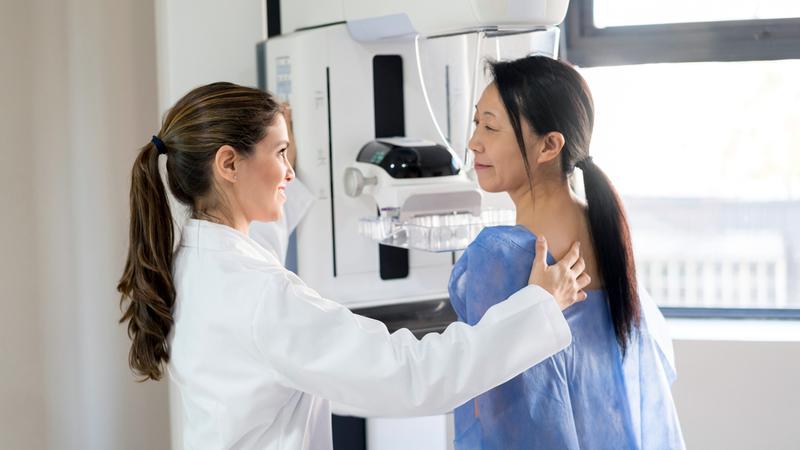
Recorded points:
617,32
620,13
706,155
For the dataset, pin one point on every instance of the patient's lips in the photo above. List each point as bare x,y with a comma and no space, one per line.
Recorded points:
482,166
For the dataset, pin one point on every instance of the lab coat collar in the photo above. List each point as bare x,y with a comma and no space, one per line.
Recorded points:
205,235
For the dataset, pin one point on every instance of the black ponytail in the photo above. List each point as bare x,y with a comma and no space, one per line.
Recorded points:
608,225
552,96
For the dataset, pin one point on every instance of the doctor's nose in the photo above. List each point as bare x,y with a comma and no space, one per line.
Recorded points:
289,172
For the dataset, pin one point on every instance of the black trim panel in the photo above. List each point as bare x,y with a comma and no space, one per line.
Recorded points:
330,165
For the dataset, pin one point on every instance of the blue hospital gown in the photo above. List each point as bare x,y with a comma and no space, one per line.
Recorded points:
584,397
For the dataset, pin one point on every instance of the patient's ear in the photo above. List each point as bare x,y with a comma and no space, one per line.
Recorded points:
551,143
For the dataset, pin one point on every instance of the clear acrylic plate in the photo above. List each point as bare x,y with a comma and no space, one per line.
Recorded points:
434,233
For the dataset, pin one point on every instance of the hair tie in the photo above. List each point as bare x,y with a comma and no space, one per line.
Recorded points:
582,164
162,149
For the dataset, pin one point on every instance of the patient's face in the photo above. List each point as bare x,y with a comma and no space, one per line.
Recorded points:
498,161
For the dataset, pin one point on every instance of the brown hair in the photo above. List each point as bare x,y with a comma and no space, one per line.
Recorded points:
192,131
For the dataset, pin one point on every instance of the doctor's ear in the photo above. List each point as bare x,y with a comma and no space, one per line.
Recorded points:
225,163
552,143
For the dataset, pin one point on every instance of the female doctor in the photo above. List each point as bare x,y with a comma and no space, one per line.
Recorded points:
257,356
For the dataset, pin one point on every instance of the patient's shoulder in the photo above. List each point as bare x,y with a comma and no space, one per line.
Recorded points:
504,240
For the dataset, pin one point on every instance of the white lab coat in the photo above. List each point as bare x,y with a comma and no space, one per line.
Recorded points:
257,356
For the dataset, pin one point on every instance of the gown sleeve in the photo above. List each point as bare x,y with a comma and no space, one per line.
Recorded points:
658,331
320,347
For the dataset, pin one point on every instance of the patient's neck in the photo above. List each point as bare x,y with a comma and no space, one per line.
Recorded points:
551,205
552,210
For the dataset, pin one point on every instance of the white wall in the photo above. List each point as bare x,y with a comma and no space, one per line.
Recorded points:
21,400
202,41
79,96
739,395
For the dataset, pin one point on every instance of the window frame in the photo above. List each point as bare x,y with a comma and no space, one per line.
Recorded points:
688,312
745,40
742,40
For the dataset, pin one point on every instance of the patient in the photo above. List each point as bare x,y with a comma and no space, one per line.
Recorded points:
611,388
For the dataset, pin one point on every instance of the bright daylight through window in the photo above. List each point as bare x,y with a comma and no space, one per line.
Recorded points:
617,13
707,159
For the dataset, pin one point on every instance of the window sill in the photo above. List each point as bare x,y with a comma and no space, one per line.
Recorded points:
742,330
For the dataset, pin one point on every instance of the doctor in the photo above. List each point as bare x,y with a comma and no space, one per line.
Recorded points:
257,356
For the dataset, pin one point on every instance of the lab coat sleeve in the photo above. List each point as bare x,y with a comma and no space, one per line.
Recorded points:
320,347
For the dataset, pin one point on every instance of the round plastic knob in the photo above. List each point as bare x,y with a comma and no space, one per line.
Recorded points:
355,182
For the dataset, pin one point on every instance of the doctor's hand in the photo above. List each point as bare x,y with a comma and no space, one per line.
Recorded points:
565,280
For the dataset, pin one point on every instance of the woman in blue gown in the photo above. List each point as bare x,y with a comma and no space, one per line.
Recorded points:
611,388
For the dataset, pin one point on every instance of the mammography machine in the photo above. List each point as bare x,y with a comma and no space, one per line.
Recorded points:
382,95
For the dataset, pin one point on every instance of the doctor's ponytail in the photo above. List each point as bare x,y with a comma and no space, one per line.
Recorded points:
193,130
147,278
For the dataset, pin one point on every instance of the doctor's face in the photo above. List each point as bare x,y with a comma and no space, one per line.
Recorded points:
263,176
498,161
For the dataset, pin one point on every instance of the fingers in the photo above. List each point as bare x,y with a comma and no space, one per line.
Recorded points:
579,266
541,252
582,295
572,255
583,280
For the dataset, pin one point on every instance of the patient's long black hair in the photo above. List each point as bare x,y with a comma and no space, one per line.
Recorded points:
552,96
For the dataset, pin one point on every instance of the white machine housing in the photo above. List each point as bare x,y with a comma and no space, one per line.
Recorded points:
405,198
423,16
327,76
